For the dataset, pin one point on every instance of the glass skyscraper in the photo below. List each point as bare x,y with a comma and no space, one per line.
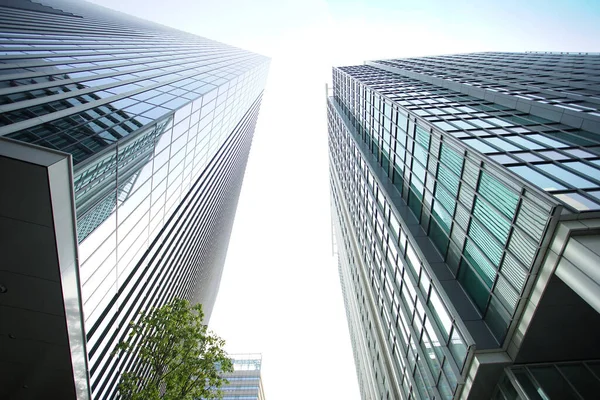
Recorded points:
245,381
123,146
466,205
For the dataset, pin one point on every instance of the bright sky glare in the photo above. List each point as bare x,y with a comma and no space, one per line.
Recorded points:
280,292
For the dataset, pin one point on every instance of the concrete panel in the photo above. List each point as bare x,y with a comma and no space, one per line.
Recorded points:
26,248
21,287
24,199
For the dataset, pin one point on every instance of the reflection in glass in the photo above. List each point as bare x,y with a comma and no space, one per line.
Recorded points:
95,184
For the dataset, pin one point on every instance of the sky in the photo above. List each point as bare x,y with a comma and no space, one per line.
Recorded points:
280,293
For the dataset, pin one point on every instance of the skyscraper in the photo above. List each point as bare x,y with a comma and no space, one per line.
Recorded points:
123,145
466,202
245,381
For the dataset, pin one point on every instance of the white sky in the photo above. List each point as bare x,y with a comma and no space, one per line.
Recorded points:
280,292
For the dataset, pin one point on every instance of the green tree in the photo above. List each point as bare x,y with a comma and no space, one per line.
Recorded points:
178,357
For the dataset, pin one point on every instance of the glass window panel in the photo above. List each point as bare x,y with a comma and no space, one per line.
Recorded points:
445,199
458,348
422,137
445,126
138,108
488,246
498,194
502,144
463,124
566,176
536,178
507,293
497,319
480,123
415,195
554,155
552,382
585,169
473,285
595,193
440,313
156,113
577,201
443,219
586,384
160,99
480,146
527,144
421,384
522,247
413,259
580,153
529,157
503,159
527,384
101,81
513,271
546,140
418,171
495,223
402,121
500,122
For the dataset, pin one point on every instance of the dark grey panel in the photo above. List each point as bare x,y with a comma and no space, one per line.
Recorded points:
34,342
564,328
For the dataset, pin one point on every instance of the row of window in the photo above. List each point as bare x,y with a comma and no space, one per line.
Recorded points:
496,256
396,276
146,197
176,264
506,73
369,354
506,137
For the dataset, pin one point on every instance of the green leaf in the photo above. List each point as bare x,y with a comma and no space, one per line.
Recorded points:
177,357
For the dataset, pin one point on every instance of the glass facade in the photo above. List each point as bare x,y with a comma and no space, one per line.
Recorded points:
573,380
245,381
444,194
159,125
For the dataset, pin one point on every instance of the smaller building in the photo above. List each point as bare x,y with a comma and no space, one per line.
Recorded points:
244,381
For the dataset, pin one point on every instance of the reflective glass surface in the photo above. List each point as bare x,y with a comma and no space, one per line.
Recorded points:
429,183
159,124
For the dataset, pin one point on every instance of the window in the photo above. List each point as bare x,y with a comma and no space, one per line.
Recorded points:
480,146
566,176
536,178
474,287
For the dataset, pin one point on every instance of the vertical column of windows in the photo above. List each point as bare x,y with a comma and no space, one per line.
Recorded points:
446,191
376,250
470,227
420,153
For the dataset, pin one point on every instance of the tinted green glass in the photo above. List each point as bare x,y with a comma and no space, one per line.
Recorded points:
445,199
497,319
451,159
418,171
473,286
414,201
481,265
442,216
385,162
501,197
402,122
439,237
398,180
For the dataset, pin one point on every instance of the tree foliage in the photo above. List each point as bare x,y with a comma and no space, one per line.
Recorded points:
177,357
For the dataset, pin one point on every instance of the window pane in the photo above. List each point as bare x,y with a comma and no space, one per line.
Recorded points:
536,178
